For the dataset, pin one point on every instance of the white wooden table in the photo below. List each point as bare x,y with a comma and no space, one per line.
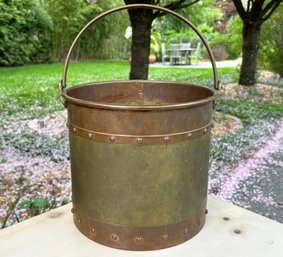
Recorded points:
229,231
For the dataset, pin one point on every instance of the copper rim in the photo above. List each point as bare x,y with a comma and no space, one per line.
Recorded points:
138,107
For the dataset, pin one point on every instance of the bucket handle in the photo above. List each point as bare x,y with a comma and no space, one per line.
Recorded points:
63,82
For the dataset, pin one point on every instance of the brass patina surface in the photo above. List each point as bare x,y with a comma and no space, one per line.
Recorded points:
139,190
139,155
139,185
139,172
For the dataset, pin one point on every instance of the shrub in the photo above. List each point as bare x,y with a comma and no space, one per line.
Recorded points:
21,32
231,41
271,47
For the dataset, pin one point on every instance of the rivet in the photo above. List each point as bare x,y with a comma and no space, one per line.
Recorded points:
186,231
165,237
72,210
139,140
112,139
79,221
114,237
206,211
189,135
90,135
139,239
166,139
75,130
93,231
204,131
237,231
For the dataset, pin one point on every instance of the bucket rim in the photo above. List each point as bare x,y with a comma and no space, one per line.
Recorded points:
111,106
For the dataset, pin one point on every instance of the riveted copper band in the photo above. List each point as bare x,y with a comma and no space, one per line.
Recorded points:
140,139
139,238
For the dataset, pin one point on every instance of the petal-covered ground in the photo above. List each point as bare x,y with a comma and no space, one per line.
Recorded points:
257,183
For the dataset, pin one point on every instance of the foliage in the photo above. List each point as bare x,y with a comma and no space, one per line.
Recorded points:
271,50
234,35
22,37
175,31
34,206
231,40
174,36
98,41
68,18
155,42
200,13
41,31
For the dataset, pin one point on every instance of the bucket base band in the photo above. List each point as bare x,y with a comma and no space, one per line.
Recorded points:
139,238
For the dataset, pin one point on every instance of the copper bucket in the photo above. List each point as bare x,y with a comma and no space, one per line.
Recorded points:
139,156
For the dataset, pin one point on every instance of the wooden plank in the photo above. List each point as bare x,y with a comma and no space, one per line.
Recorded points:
230,231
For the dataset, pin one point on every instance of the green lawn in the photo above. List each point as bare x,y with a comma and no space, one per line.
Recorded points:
33,90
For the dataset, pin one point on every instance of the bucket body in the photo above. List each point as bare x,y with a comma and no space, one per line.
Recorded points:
139,161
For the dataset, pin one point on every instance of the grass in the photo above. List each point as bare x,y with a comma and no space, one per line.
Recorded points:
250,112
33,90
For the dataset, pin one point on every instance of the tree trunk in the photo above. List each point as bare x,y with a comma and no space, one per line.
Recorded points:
250,50
141,20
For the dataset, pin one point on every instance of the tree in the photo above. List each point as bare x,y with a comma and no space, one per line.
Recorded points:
141,22
253,14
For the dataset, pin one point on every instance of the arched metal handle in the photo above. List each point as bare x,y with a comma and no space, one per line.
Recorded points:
63,82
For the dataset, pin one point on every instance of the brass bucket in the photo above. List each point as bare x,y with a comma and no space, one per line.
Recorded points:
139,157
